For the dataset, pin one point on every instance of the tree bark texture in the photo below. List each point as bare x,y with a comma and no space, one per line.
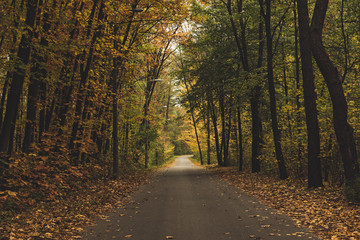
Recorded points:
270,76
344,132
241,150
223,128
115,170
16,86
216,135
38,74
208,138
312,123
197,137
256,130
3,97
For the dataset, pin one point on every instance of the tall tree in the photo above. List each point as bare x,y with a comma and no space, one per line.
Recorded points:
85,68
18,77
256,127
343,130
312,123
38,73
208,131
242,47
266,13
240,141
117,62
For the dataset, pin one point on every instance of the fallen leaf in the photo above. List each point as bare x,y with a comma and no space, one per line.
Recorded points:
48,235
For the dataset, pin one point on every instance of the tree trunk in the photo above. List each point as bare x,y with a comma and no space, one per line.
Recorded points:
16,86
3,97
12,136
65,101
31,110
314,163
239,41
168,104
146,108
297,84
254,101
10,71
84,77
255,108
270,77
216,136
227,137
49,113
69,69
286,91
195,127
256,130
115,172
241,150
208,134
223,128
38,74
126,143
197,136
344,132
43,110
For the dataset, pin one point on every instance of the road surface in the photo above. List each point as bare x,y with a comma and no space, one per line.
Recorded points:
185,202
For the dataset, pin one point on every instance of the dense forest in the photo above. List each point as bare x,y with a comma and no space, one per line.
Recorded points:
86,98
273,86
90,89
78,80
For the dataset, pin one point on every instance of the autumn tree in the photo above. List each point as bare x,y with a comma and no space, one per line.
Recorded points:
314,164
343,130
226,51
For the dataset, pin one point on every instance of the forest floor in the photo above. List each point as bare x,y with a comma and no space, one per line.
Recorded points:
324,210
66,215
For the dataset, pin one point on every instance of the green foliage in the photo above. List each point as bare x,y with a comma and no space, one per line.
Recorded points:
181,148
211,66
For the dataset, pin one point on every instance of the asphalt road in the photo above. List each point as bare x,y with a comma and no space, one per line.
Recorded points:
187,203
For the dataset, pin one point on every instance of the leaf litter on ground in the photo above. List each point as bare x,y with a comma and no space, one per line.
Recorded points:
324,211
66,215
